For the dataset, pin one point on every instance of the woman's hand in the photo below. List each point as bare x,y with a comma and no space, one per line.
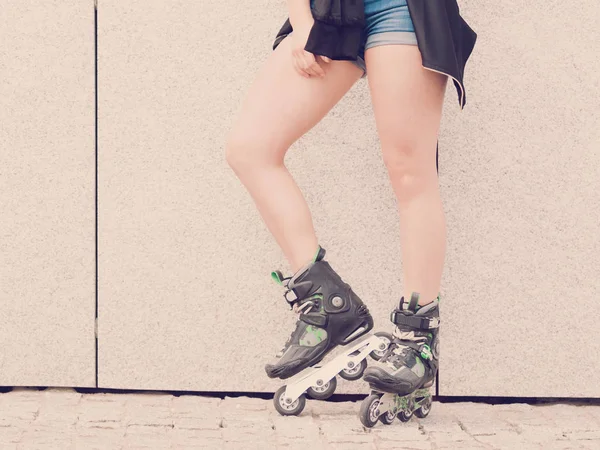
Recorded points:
305,63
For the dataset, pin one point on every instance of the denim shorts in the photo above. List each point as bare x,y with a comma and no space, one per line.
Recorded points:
386,22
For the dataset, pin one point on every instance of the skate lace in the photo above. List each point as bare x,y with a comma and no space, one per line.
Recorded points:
397,349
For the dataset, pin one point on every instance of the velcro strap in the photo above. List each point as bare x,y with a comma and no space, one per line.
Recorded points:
422,323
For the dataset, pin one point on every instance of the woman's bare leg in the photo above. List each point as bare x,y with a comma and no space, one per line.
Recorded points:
407,102
279,108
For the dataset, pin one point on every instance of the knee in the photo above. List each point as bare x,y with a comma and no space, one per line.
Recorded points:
409,169
236,155
244,153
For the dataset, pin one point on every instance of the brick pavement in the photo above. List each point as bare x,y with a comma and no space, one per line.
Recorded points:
63,419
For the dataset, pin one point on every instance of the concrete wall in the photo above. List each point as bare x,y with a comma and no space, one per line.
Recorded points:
47,230
520,176
184,293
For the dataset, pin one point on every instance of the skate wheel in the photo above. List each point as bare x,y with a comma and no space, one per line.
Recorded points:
425,409
387,418
380,352
288,409
405,416
369,413
322,392
354,373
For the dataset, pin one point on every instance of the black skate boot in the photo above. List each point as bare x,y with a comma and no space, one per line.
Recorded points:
331,314
411,361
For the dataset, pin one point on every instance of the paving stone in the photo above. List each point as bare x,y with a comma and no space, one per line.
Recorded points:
309,442
296,427
246,446
193,438
158,415
248,435
49,437
583,435
19,407
262,422
355,446
400,432
191,406
148,436
62,419
563,445
193,423
410,445
10,435
323,408
437,422
243,404
311,445
481,427
470,445
101,412
508,440
441,437
147,398
10,446
99,438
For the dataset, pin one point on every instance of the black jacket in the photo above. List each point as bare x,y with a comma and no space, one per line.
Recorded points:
444,39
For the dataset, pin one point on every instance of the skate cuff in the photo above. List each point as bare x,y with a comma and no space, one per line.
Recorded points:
400,317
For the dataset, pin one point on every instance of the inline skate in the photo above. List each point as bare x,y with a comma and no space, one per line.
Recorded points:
330,315
400,386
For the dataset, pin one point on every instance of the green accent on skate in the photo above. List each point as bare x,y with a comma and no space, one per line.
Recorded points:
402,402
422,393
425,393
317,254
419,368
275,276
312,336
426,352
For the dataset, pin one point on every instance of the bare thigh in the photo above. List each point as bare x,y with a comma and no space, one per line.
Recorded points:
407,104
281,105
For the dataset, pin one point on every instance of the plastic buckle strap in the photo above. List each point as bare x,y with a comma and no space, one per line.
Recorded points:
291,301
399,317
424,323
434,322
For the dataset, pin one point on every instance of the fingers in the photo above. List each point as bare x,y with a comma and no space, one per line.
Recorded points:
311,66
297,65
306,64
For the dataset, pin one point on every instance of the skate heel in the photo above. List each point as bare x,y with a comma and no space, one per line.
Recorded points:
359,332
320,381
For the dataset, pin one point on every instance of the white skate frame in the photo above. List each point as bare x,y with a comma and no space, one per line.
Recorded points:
387,403
309,377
